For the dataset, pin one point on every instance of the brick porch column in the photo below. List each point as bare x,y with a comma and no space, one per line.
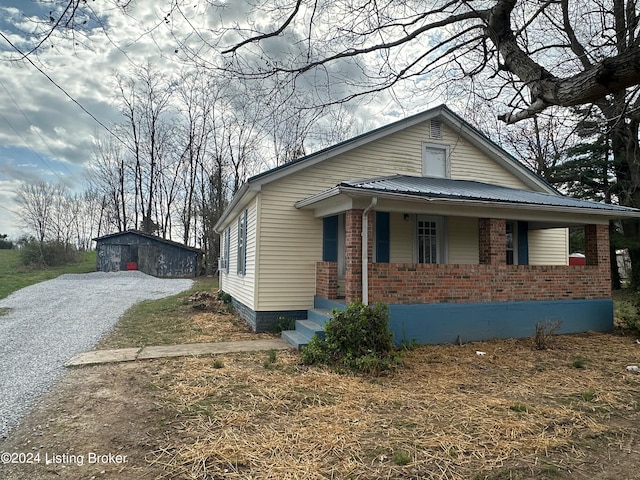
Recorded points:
492,241
596,245
353,255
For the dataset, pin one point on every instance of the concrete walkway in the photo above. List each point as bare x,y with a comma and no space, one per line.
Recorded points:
130,354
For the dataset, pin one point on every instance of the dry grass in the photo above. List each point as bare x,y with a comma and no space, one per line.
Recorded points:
447,414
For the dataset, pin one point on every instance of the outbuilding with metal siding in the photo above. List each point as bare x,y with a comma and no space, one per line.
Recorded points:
135,250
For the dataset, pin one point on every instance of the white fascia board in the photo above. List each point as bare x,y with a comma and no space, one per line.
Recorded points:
318,197
239,201
348,145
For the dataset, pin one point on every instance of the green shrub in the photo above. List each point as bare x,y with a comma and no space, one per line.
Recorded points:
5,244
49,254
357,339
626,314
224,297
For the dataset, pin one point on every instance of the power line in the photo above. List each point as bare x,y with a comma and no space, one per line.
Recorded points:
41,138
26,57
37,130
33,151
9,210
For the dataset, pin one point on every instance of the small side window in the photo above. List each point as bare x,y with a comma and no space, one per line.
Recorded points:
242,243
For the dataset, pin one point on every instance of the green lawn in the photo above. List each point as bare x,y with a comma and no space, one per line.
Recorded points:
164,321
14,276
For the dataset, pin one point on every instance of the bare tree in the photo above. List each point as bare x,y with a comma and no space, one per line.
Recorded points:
560,52
36,208
109,177
197,96
145,103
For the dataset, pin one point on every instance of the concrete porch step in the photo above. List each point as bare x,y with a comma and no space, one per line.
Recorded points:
306,329
309,328
319,316
294,338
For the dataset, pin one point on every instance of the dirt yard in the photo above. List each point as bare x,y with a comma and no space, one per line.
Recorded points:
572,411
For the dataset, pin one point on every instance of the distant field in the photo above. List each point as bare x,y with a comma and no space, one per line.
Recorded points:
14,276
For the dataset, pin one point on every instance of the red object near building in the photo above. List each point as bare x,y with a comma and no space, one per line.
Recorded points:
577,259
132,265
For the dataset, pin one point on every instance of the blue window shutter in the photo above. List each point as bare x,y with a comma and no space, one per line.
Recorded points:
523,243
330,239
383,234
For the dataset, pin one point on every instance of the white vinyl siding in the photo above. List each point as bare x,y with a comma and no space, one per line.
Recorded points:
291,239
549,247
401,238
462,236
241,287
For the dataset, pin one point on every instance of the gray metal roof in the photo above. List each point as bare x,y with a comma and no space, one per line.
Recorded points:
446,188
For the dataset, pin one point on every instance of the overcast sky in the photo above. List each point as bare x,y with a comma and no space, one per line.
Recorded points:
44,135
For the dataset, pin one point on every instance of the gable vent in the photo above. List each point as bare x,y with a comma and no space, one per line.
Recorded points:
436,129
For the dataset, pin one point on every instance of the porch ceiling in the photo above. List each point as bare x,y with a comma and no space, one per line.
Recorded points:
443,196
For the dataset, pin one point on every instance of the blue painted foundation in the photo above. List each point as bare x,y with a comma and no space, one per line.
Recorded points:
437,323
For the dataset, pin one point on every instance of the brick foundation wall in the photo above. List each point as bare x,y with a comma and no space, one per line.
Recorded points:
327,280
425,283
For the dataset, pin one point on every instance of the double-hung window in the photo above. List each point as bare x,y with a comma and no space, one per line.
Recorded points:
224,258
430,239
242,243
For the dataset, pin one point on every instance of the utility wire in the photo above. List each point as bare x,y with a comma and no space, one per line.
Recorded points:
26,57
9,210
33,151
37,131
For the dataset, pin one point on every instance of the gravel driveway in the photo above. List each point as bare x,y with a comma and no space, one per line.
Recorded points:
51,321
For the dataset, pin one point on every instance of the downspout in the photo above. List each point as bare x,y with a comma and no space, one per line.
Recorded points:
365,250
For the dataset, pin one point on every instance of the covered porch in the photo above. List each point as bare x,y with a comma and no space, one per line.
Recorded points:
489,280
463,260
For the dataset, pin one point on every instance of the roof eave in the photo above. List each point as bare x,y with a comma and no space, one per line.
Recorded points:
508,161
359,192
238,202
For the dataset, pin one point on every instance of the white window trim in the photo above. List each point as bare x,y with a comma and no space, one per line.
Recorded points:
224,257
441,238
241,256
447,158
